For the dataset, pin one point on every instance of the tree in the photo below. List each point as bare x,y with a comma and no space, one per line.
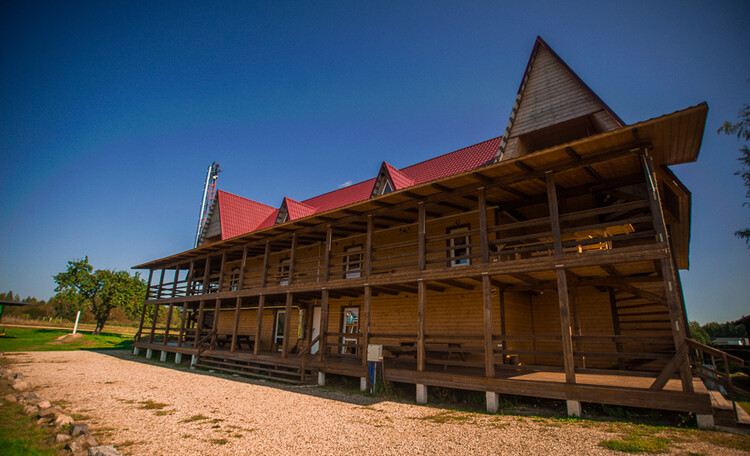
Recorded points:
100,291
742,130
699,334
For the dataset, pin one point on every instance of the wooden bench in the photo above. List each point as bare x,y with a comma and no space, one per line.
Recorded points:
225,338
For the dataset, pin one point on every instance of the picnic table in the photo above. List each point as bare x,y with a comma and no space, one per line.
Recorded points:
409,349
223,339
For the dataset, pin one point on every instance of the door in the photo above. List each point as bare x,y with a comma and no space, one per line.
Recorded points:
278,330
315,328
350,325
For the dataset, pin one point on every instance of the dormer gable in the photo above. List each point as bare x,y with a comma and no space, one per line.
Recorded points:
553,106
390,179
293,210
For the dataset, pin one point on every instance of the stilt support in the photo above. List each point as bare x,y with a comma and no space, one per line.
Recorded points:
363,383
493,402
574,408
321,378
136,351
178,358
149,353
163,356
422,394
193,360
705,421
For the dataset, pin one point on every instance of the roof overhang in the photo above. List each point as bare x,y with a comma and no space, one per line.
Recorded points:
670,139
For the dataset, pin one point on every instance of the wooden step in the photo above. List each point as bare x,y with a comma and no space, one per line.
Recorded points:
254,368
249,374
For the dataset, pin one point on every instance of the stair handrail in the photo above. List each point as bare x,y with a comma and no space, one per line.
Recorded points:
721,378
304,358
201,343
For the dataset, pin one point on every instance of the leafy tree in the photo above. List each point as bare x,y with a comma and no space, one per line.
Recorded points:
742,130
726,329
99,290
699,334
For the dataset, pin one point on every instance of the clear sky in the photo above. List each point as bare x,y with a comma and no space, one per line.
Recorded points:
110,112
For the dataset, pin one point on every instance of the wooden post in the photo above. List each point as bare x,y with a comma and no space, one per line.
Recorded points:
322,346
176,277
169,322
148,284
562,284
576,320
221,271
189,285
161,283
183,321
206,274
153,323
236,326
292,260
483,236
668,272
422,233
241,279
259,324
365,324
368,246
215,325
421,310
616,325
287,320
489,351
264,272
143,317
199,323
327,254
501,293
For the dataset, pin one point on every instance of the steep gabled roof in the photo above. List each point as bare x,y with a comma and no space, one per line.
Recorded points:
240,215
292,210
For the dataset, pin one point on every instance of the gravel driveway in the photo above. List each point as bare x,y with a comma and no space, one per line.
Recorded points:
143,408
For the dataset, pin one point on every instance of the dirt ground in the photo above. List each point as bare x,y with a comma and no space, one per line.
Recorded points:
142,407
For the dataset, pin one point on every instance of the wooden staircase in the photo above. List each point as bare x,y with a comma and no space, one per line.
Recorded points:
276,371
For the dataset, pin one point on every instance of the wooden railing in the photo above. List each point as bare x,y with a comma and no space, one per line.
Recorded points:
703,361
201,345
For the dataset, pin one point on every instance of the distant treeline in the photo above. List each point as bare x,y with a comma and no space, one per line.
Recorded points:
711,330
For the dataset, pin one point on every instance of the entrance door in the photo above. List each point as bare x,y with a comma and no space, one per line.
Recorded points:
315,328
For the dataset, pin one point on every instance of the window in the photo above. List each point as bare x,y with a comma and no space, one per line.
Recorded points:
458,246
234,279
386,188
278,329
353,262
350,325
284,271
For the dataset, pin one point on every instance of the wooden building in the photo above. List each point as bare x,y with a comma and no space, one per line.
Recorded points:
542,262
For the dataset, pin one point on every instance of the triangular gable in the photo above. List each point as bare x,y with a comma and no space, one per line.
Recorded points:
231,215
293,210
390,179
551,95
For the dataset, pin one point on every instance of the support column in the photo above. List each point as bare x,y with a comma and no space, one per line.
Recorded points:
143,317
668,272
149,353
163,356
489,350
259,324
421,394
169,322
501,293
148,284
183,322
206,274
574,408
327,254
199,323
243,266
365,326
161,283
215,325
236,325
576,321
221,270
189,284
562,284
421,310
422,234
178,358
287,321
493,402
616,325
176,278
264,272
153,324
322,345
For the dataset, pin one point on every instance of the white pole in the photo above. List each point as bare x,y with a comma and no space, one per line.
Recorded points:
76,325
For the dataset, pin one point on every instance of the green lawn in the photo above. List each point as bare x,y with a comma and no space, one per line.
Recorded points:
28,339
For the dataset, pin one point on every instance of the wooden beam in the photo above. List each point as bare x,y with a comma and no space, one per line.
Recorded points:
501,293
215,325
382,203
221,270
264,273
483,234
616,324
450,205
236,325
670,368
199,323
292,260
143,317
482,178
422,233
562,283
421,310
153,323
206,274
365,324
161,282
489,350
148,284
457,284
176,278
322,346
287,321
259,324
243,266
368,250
169,322
183,321
441,188
327,255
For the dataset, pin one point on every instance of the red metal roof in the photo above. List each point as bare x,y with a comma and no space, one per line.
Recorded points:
240,215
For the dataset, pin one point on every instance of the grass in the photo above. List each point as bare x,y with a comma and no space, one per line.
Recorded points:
151,405
634,443
21,436
195,418
445,417
28,339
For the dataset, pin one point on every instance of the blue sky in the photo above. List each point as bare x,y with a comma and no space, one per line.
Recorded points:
110,112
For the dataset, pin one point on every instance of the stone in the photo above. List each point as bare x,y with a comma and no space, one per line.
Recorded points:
79,428
63,419
60,438
33,402
705,421
104,450
10,398
30,410
42,421
81,443
30,396
50,412
19,385
17,376
44,404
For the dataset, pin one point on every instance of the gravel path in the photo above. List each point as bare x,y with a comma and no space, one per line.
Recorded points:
206,414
